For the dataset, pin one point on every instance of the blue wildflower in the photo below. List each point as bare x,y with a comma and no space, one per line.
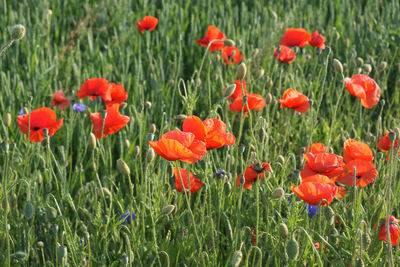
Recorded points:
127,25
21,111
312,210
127,217
79,107
220,173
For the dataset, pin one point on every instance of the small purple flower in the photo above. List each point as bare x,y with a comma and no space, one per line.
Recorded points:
79,107
312,210
21,111
220,173
127,25
127,217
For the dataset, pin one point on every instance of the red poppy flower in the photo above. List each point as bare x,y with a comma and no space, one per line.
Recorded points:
323,163
113,122
294,100
231,55
39,119
178,145
317,40
252,172
365,88
353,149
285,54
60,100
211,131
95,87
195,183
254,236
393,229
254,101
315,188
296,37
365,173
117,93
213,33
148,23
316,148
385,144
238,90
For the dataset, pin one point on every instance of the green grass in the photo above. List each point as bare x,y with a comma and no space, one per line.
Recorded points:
80,190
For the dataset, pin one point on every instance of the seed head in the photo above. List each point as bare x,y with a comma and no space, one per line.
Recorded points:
366,241
17,32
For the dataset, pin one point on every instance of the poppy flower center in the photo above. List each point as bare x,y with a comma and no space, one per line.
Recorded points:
258,168
36,128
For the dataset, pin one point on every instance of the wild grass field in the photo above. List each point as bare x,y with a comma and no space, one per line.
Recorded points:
64,200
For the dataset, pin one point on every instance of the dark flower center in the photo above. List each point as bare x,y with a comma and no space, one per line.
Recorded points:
36,128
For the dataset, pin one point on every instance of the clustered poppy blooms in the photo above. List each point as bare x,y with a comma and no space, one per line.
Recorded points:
285,54
148,23
393,230
231,55
186,180
34,123
253,101
252,172
293,99
365,88
384,144
60,100
112,123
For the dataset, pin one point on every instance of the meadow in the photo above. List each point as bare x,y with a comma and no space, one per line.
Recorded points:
65,194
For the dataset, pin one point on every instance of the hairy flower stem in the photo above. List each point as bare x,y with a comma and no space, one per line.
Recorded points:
4,49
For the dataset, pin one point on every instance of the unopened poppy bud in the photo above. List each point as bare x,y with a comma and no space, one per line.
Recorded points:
253,156
337,66
370,137
40,244
152,128
278,193
54,228
123,168
281,159
274,15
7,120
396,130
107,192
366,241
127,143
180,117
51,213
103,114
86,235
136,151
125,259
380,155
241,71
392,136
229,90
18,256
359,70
13,201
360,61
242,148
150,155
292,249
123,105
62,252
236,258
167,210
283,230
329,215
229,42
383,65
148,104
150,137
307,56
367,68
268,99
260,73
255,53
17,32
270,83
92,141
227,188
337,35
345,66
242,180
29,210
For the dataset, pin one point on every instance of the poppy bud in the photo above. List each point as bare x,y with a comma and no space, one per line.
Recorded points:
292,249
227,188
54,228
345,66
123,168
256,51
366,241
281,159
370,137
359,70
229,90
278,193
270,83
337,35
360,61
392,136
268,99
17,32
40,244
167,210
329,215
236,258
260,73
180,117
13,201
380,155
106,191
86,235
125,259
51,213
29,210
337,66
62,252
123,106
334,237
19,255
150,155
241,71
367,68
307,56
229,42
396,130
127,144
150,137
152,128
148,104
92,141
274,15
7,120
136,151
242,180
103,114
383,65
283,230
